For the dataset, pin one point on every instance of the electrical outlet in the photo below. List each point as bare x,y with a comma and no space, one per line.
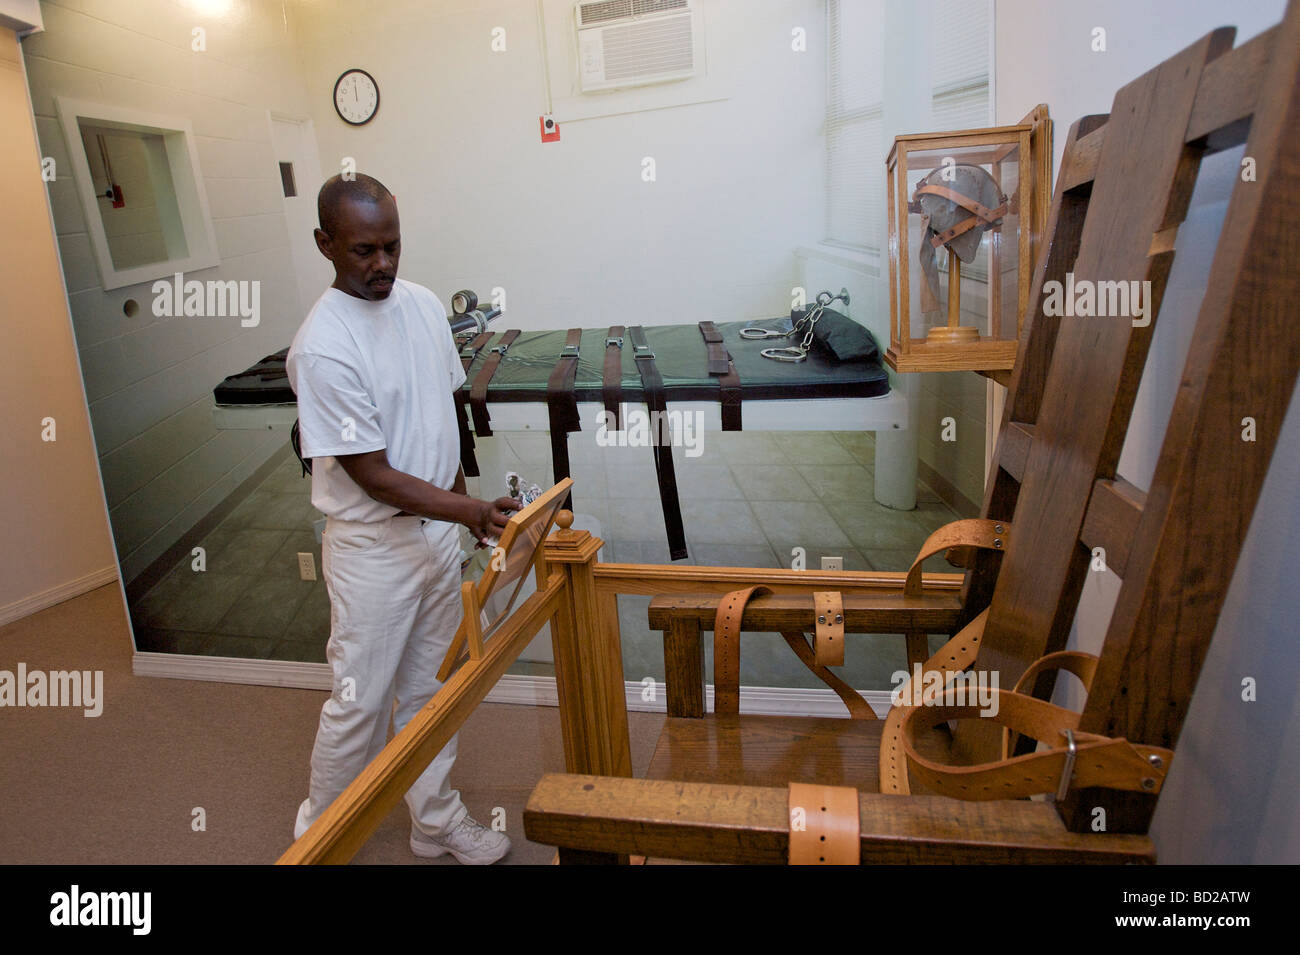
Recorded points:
307,566
832,563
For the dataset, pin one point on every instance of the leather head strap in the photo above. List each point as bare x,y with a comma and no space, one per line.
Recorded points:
990,216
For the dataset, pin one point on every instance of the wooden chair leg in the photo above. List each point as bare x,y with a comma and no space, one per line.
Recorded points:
684,668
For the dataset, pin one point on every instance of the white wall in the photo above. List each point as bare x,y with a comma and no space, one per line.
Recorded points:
934,395
54,541
569,229
149,380
1230,794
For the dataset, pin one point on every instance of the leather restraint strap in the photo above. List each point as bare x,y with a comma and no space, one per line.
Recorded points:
719,360
824,825
859,709
979,212
468,352
562,408
1083,665
726,649
952,195
478,391
652,386
611,381
971,532
724,369
1075,759
953,657
726,658
1079,759
829,635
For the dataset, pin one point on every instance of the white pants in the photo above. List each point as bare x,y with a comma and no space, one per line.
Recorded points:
394,589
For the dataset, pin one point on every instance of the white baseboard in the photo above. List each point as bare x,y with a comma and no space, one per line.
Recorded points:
179,666
512,688
56,595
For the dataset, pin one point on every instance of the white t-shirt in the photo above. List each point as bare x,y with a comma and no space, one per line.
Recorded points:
371,375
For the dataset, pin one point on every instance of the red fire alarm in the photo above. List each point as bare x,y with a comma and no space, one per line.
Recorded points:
550,129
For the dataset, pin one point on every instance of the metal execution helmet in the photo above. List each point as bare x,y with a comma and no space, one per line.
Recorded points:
960,203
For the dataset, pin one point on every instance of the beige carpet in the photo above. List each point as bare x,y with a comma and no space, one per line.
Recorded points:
123,787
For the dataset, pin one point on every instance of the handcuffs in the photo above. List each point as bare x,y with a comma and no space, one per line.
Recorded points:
806,324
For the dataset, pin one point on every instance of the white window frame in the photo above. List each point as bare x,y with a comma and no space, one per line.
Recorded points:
187,179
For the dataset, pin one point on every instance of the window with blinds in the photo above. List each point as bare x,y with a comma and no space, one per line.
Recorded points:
958,34
855,157
959,80
959,64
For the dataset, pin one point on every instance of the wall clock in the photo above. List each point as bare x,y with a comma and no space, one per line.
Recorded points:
356,97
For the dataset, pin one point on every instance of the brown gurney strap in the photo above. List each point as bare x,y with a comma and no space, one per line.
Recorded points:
611,384
468,352
478,391
824,825
726,658
562,408
724,369
652,386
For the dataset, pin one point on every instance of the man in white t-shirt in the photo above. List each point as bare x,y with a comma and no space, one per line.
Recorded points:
374,368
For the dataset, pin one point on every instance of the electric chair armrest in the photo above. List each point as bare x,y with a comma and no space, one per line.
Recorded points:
721,823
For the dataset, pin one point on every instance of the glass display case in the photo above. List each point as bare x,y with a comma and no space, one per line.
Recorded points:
966,212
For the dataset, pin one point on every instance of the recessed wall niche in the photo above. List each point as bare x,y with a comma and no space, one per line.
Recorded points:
138,179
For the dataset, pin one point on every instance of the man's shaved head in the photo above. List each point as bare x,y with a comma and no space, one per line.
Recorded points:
337,190
360,234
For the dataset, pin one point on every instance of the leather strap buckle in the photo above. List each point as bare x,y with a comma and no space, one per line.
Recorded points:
570,351
614,341
500,349
828,649
1067,771
642,351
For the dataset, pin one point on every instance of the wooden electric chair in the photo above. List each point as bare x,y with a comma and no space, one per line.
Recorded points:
935,781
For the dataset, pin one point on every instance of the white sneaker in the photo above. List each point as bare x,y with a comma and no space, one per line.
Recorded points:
470,842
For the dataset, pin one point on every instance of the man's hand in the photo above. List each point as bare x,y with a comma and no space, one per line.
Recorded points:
374,475
492,517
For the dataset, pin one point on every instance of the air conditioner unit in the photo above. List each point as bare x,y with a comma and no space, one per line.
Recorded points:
634,42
